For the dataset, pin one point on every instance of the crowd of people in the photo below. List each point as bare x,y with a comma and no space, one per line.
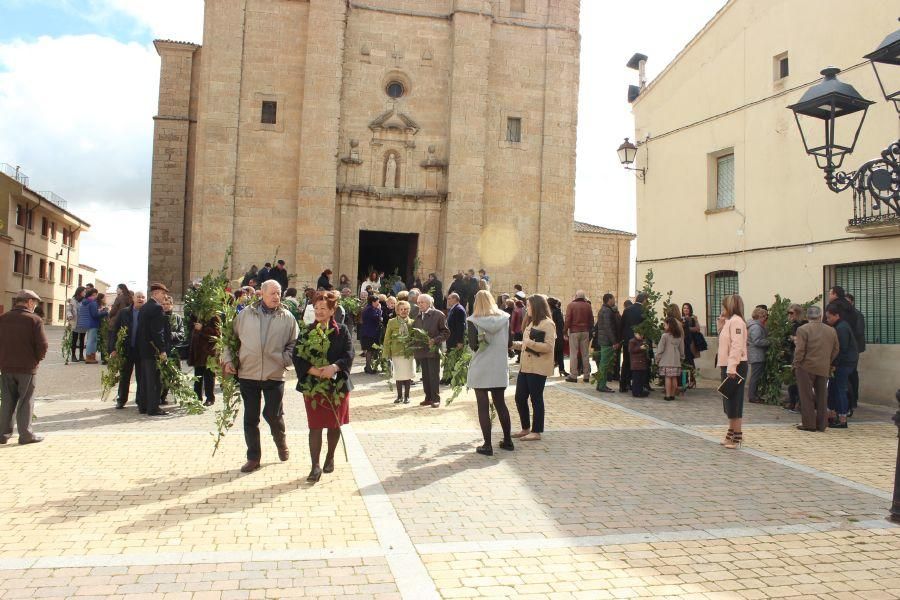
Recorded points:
531,330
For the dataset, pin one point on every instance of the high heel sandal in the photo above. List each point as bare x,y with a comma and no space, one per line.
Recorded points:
737,438
315,474
328,467
728,437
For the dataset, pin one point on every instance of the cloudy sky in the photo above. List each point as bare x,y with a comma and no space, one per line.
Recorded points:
79,81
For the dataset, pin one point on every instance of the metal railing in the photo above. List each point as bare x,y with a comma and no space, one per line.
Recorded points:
55,199
15,173
868,212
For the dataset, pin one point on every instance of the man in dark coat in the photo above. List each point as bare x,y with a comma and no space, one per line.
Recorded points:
456,323
23,347
151,345
457,286
279,274
435,288
128,318
471,283
631,318
434,323
859,332
264,274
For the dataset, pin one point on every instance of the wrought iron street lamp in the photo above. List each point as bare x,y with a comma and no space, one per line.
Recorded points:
627,153
879,178
832,99
888,53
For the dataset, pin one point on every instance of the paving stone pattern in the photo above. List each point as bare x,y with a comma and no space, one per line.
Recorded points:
622,498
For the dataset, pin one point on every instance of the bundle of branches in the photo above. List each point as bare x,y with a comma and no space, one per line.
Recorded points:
458,360
416,339
383,364
109,377
227,414
778,355
312,346
179,384
67,343
387,284
102,336
204,300
351,306
651,328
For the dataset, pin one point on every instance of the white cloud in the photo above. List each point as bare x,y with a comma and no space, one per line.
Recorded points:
76,114
180,20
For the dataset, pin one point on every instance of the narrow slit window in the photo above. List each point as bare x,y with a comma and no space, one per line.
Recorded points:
269,112
514,129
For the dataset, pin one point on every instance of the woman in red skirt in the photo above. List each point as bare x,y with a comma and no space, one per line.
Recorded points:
321,413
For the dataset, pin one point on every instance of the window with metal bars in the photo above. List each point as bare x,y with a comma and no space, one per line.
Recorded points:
718,285
875,287
725,181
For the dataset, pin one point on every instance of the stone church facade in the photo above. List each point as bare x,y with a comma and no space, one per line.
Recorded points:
437,135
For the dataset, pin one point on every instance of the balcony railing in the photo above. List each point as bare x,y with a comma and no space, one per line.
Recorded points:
868,213
55,199
15,173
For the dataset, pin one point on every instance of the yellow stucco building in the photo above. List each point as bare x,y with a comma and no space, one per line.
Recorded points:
39,246
732,203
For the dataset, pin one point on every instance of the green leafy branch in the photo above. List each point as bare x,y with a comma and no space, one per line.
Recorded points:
109,377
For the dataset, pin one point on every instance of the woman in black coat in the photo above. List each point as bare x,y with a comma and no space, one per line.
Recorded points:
559,321
321,411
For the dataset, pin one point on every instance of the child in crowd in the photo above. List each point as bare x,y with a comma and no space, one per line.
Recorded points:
640,366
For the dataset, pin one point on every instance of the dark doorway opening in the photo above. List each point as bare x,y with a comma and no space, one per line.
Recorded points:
387,252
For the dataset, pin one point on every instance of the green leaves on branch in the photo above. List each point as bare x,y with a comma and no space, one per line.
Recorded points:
312,346
179,384
416,340
457,361
383,364
778,355
67,343
204,301
652,325
109,377
351,305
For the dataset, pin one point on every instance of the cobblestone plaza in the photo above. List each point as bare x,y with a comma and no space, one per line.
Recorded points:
622,498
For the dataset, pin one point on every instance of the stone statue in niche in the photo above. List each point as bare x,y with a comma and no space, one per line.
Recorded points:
354,151
390,172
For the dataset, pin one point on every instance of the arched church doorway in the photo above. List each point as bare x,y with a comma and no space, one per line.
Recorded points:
387,252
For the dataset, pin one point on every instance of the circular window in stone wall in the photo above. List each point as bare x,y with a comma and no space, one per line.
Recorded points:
395,89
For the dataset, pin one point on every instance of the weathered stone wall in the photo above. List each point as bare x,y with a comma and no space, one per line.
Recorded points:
309,183
171,129
600,264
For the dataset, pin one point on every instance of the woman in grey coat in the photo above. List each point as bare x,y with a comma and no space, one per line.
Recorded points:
489,367
757,343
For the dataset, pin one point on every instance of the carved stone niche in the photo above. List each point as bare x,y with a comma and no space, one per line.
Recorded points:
435,170
393,143
350,163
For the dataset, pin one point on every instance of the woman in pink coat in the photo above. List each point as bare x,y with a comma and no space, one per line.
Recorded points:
732,358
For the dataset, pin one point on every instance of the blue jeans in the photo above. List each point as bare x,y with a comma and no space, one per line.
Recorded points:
838,400
531,385
90,341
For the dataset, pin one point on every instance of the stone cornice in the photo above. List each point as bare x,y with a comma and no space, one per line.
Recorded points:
449,16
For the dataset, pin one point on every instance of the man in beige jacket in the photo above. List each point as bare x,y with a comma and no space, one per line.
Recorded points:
816,347
268,334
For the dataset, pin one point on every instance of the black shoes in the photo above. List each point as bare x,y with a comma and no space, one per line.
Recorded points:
485,450
314,475
120,404
398,400
157,413
606,390
250,466
209,402
37,438
406,401
507,445
329,465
